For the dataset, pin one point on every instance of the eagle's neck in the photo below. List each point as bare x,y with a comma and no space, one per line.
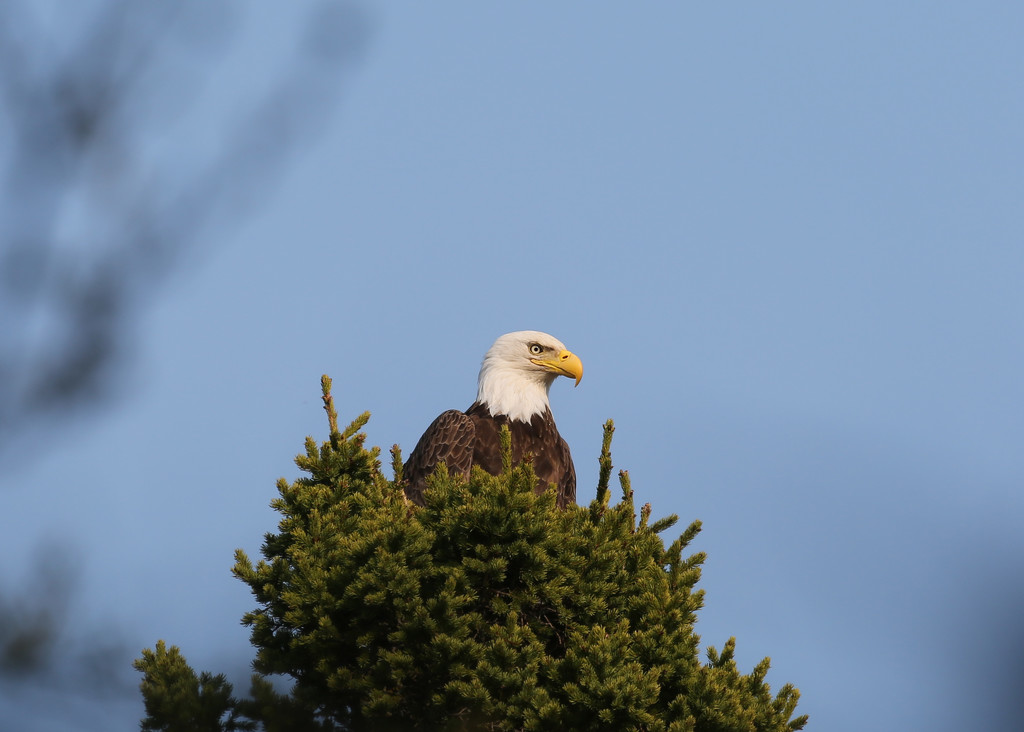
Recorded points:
518,393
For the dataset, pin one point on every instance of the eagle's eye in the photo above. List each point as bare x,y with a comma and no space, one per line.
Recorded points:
536,349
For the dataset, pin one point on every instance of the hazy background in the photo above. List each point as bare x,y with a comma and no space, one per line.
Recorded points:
787,241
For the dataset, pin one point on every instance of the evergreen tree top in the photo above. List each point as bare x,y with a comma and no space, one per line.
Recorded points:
488,608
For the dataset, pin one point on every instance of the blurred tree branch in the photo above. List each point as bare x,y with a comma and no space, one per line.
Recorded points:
104,191
35,642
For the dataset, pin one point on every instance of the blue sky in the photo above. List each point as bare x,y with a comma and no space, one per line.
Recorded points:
786,240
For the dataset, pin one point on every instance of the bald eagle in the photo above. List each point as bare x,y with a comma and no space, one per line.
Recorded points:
512,389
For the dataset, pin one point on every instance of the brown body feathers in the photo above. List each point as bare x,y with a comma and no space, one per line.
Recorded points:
463,439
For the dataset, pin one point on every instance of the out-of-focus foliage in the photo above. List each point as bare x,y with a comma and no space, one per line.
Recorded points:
104,189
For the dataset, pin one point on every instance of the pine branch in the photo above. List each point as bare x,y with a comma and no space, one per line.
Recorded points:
396,462
506,450
332,414
645,514
605,461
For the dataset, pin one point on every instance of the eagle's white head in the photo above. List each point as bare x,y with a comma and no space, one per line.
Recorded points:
519,369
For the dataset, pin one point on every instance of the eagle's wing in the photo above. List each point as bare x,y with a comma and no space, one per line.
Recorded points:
448,439
567,485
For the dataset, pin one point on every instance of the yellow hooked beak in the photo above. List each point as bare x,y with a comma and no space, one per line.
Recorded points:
564,363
